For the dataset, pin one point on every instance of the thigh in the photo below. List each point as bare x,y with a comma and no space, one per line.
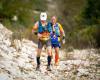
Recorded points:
56,50
48,45
39,52
40,44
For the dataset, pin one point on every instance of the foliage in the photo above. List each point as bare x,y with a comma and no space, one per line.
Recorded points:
85,29
83,38
91,14
80,19
22,9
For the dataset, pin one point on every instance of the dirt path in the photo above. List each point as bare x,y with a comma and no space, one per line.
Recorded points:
21,65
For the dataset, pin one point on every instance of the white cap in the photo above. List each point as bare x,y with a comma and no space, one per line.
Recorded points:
43,16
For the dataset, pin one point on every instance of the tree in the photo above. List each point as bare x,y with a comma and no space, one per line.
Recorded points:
91,14
91,17
23,9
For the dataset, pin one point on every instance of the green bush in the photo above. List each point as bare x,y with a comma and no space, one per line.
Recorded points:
24,11
83,38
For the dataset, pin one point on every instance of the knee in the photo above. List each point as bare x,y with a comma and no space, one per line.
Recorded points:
49,53
57,51
38,52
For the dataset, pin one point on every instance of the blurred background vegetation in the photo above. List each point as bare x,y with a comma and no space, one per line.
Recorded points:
80,19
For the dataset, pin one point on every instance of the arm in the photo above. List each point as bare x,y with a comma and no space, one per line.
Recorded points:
61,30
62,33
35,27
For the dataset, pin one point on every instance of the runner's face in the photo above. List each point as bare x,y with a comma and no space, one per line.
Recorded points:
53,20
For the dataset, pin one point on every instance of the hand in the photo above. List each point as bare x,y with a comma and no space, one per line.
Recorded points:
35,33
63,39
39,35
32,31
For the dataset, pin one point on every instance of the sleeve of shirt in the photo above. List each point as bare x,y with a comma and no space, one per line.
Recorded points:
61,29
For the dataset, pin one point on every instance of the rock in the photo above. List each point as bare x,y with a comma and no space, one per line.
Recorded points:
17,44
47,78
19,62
4,77
70,49
1,26
78,63
62,66
62,54
84,54
83,72
4,32
28,66
7,42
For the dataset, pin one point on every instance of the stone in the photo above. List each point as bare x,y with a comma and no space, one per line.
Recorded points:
83,72
4,77
19,62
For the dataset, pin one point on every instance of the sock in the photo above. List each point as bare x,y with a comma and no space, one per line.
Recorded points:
49,60
38,60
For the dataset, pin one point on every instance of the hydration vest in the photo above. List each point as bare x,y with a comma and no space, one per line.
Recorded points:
46,28
56,29
55,35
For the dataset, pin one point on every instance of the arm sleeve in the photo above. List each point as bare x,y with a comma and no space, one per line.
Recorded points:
61,29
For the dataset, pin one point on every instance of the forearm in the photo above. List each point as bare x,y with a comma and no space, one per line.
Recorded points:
35,27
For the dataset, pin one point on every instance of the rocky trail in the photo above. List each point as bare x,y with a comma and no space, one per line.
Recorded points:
17,62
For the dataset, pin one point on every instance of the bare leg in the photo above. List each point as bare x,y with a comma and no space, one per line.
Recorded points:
56,55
